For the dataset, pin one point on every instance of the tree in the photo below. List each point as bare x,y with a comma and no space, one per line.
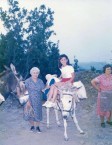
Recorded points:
93,69
76,66
40,47
14,43
2,50
27,42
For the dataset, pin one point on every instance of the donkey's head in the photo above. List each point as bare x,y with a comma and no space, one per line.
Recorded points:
67,99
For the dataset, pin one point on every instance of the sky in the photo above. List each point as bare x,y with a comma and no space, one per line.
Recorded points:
83,27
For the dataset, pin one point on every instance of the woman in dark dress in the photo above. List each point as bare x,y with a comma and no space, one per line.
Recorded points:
34,85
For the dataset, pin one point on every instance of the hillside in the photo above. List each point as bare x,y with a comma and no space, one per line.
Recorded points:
87,65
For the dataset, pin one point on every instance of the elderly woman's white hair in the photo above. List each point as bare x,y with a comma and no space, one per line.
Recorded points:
34,69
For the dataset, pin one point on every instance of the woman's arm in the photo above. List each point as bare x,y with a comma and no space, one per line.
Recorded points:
72,78
46,87
95,85
60,77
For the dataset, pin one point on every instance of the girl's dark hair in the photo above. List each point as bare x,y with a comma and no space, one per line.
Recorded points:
60,57
106,66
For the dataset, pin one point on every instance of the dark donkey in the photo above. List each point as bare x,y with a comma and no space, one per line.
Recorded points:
16,85
13,84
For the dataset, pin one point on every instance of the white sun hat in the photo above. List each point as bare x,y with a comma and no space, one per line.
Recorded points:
2,99
49,77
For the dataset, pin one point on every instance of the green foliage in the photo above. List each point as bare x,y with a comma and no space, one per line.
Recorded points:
27,42
93,69
2,50
76,66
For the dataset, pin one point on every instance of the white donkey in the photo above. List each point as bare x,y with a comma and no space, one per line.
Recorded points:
67,106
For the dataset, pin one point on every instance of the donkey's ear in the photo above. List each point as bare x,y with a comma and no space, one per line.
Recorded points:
21,78
6,67
13,69
73,89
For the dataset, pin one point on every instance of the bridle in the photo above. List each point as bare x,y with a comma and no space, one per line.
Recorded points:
61,109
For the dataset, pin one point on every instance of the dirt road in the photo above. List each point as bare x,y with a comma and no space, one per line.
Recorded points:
15,131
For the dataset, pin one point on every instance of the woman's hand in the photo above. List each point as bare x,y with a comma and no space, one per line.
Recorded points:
95,85
47,87
43,90
98,88
28,104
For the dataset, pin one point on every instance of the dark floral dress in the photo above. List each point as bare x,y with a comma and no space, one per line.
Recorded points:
35,98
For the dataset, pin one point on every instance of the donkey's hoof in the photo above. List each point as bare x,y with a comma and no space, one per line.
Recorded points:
66,138
48,126
82,132
59,124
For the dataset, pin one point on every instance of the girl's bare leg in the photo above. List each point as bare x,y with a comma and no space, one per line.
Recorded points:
52,95
51,92
55,95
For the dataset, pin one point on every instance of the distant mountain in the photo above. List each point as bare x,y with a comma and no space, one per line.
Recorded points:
87,65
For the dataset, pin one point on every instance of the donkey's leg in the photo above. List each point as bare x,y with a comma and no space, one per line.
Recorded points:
47,111
57,118
76,123
65,130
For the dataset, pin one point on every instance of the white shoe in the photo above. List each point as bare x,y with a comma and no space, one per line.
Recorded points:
44,105
49,104
53,104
